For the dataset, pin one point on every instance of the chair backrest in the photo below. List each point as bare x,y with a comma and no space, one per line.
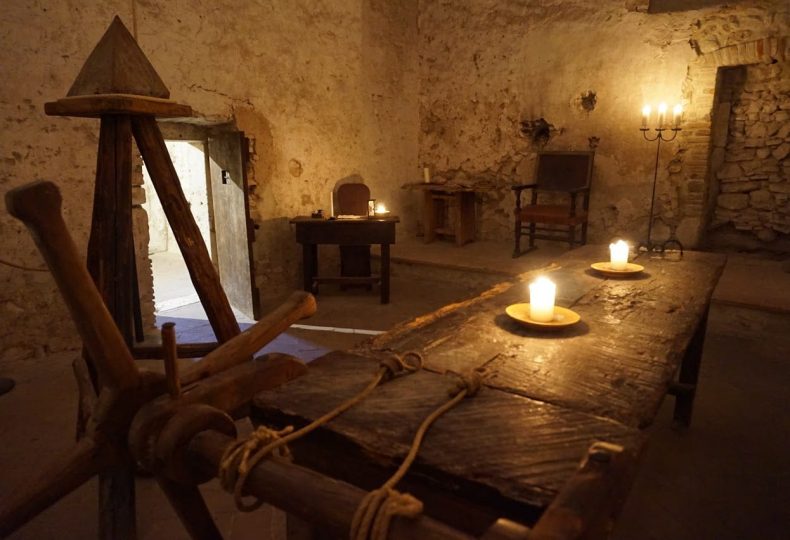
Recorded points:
564,171
352,199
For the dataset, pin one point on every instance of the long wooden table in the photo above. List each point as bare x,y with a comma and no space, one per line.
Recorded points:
547,396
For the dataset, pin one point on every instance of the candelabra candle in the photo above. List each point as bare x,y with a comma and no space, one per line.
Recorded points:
381,210
662,115
645,116
541,299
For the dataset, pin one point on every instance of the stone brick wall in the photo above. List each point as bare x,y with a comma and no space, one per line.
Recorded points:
754,180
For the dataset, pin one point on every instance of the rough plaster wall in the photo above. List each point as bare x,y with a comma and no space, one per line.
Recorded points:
331,85
486,66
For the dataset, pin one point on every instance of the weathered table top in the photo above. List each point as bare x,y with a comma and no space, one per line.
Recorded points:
547,396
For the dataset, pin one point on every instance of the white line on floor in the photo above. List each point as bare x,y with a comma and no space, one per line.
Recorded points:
339,330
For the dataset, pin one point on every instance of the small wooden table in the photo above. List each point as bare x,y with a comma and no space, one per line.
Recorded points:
345,232
448,210
547,396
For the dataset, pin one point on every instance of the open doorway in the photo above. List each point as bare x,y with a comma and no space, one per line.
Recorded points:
211,171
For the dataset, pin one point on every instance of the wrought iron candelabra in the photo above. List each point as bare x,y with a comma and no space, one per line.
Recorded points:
648,244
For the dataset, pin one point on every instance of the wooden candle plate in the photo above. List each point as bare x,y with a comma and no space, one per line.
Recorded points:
562,317
606,268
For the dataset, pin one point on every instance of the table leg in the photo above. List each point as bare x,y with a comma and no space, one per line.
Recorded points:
385,273
428,217
309,264
689,374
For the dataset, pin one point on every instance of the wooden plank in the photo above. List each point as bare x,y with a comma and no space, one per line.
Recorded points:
617,362
345,232
230,207
493,445
201,269
109,104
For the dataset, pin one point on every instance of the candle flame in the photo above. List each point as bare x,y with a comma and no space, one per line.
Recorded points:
662,108
678,109
646,111
380,208
543,281
620,244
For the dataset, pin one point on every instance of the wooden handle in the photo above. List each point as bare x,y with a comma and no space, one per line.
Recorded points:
298,306
38,206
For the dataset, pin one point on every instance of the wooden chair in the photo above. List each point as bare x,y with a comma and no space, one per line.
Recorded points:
560,177
352,199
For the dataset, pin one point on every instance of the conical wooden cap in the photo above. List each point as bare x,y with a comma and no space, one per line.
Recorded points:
117,65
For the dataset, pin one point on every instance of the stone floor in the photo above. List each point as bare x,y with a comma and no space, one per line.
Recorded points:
727,477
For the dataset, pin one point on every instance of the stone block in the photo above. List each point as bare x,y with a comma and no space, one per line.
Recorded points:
733,201
751,142
766,235
730,170
739,187
781,151
749,167
761,199
779,187
762,153
739,154
759,130
784,131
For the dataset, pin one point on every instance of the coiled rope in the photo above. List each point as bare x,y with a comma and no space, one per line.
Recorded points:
242,456
375,512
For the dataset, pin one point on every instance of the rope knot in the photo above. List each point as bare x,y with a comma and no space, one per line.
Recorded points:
400,364
236,463
471,381
375,512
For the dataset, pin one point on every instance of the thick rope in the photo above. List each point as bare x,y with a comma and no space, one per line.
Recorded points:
241,457
375,512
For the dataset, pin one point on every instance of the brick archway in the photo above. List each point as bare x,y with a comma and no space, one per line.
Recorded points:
696,157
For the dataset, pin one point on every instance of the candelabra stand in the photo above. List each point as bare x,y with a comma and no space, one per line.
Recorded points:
648,244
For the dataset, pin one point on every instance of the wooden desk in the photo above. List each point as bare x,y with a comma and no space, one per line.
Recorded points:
509,450
310,232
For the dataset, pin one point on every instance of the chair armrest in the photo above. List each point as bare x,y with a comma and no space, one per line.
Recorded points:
579,190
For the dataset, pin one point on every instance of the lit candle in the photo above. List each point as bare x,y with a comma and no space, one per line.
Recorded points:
381,210
541,299
645,116
426,174
331,204
618,253
676,114
371,207
662,115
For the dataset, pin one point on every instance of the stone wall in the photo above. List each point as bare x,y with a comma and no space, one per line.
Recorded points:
754,180
586,68
328,86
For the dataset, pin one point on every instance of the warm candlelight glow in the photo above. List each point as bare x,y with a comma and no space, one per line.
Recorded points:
662,114
618,253
645,115
426,174
541,299
677,112
381,209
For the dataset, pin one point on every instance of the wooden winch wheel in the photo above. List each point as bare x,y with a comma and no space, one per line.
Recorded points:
224,380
